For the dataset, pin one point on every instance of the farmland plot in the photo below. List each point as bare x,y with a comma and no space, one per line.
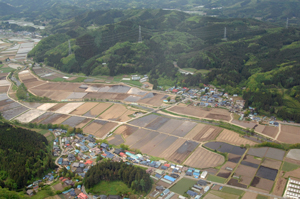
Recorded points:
262,183
68,108
143,121
162,146
233,138
30,115
73,121
153,143
125,130
84,108
11,113
207,133
289,134
183,151
97,110
203,158
184,128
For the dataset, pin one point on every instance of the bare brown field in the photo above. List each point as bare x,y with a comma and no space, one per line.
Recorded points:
153,143
5,102
251,159
106,128
170,126
229,164
246,173
42,117
244,123
233,138
274,164
260,128
51,119
125,130
83,123
171,149
234,158
295,173
125,117
189,110
181,154
290,160
60,119
184,128
218,117
203,158
257,189
144,140
3,89
162,146
289,134
195,131
136,136
100,95
69,107
93,127
208,133
154,101
249,195
56,107
224,173
211,196
84,108
114,112
279,187
115,140
271,131
262,183
98,109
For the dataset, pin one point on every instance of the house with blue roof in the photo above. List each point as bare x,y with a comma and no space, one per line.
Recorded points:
84,148
191,193
91,145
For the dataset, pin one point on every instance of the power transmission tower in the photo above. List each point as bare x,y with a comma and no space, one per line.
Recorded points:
287,23
70,51
140,35
225,34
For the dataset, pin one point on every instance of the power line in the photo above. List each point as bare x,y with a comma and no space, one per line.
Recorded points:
140,35
70,51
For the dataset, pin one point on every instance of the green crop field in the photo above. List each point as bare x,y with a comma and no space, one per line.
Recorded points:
110,188
183,185
223,195
289,166
215,179
232,191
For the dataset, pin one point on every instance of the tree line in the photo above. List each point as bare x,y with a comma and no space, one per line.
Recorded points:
23,155
134,177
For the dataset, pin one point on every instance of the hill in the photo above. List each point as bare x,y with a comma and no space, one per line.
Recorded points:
24,156
251,50
57,10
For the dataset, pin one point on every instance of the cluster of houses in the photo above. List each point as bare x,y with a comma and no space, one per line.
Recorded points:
196,191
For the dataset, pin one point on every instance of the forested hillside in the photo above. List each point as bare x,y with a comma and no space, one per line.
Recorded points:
23,156
134,177
252,49
57,10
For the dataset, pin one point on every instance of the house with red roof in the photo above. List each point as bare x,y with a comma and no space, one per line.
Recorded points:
82,196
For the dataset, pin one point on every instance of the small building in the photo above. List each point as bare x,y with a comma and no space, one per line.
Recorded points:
191,193
82,196
104,146
202,182
159,188
160,172
30,192
135,77
204,174
169,178
71,157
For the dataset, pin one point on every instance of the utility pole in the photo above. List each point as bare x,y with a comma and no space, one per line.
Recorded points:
287,23
140,35
225,34
70,51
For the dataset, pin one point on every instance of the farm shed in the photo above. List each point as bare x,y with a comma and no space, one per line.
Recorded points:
160,172
191,193
169,178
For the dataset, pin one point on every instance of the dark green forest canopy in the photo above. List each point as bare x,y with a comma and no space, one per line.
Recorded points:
58,10
135,178
23,156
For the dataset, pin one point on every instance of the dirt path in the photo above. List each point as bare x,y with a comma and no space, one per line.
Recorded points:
279,131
